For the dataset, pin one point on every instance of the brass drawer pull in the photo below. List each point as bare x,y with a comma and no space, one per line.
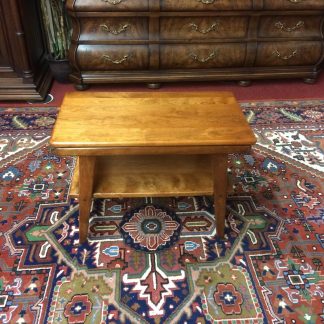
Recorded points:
113,2
118,61
111,30
196,28
196,58
296,1
206,1
282,26
285,57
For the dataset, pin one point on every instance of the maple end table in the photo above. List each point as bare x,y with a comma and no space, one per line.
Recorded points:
138,144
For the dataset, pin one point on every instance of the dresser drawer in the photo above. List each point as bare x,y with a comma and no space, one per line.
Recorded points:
108,5
290,26
204,5
288,53
125,28
202,56
112,57
203,27
293,4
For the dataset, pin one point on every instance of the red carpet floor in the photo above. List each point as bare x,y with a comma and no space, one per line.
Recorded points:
259,90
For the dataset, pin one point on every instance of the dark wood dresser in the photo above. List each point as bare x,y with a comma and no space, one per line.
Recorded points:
24,73
176,40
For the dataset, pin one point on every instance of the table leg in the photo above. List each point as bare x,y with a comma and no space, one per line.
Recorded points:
219,165
86,176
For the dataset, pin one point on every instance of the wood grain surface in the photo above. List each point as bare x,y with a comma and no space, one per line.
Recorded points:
99,119
149,176
154,41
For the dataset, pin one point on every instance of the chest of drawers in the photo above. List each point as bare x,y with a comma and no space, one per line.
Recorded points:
177,40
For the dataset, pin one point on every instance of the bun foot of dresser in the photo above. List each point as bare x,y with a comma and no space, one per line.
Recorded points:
153,85
245,83
81,86
309,80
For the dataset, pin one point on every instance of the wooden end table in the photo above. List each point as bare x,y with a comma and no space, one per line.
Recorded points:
150,144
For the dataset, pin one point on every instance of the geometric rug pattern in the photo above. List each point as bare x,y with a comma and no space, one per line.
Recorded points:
159,260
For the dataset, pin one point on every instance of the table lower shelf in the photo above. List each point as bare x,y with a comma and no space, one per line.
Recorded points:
152,176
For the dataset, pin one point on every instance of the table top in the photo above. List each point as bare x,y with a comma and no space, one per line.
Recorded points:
150,119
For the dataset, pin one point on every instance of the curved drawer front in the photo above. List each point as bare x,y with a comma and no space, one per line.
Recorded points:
110,5
203,5
203,27
290,26
288,53
125,28
116,57
202,56
293,4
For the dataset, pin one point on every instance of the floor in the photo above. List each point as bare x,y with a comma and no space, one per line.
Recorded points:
259,90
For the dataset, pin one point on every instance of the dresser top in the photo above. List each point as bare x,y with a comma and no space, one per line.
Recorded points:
190,5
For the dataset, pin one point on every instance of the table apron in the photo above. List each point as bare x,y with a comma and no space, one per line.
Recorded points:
152,150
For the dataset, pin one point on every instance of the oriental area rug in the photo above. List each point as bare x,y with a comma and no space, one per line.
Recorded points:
159,260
